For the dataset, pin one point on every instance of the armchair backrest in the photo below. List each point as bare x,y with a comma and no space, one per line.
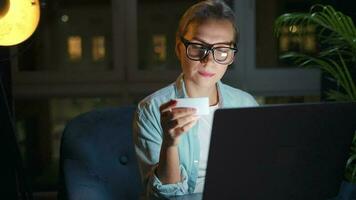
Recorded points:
97,157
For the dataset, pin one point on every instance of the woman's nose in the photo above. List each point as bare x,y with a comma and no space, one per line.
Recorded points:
208,58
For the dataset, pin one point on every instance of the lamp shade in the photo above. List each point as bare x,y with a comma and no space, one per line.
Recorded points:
18,20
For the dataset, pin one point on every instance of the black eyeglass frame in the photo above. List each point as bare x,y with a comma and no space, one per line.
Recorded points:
208,48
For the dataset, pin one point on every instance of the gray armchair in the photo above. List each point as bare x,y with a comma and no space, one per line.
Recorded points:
97,158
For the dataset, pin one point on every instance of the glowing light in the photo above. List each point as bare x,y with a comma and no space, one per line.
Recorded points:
65,18
293,29
224,54
98,48
19,21
74,48
160,47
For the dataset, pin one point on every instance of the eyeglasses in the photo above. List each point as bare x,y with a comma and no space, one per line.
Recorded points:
198,51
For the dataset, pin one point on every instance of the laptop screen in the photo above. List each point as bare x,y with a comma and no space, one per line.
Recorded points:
295,151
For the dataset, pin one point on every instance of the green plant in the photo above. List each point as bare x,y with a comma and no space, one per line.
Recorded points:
336,36
351,165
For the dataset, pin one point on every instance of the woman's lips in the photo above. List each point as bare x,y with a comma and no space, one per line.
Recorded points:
206,74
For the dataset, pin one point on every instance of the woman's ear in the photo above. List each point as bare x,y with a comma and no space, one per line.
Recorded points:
178,43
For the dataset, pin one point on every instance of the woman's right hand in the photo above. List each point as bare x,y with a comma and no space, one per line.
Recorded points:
175,122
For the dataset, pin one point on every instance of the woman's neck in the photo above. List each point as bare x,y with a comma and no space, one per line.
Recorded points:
196,91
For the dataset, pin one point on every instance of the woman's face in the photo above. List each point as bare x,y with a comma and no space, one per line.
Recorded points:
205,73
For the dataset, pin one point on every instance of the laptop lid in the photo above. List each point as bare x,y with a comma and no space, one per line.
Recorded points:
296,151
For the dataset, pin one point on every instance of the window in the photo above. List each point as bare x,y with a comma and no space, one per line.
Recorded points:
74,48
98,48
297,38
258,69
70,37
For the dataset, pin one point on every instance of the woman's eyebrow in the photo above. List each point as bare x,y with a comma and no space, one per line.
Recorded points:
208,44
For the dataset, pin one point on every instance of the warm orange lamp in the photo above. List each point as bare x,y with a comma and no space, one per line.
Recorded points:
18,20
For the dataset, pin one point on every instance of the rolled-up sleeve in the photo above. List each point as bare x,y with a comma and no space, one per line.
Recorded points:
147,135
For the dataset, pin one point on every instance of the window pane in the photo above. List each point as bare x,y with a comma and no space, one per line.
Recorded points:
157,24
74,48
98,48
268,47
72,36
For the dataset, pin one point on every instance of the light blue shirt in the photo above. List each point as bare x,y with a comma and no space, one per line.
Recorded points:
147,132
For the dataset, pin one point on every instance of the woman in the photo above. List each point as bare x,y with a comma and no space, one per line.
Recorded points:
172,143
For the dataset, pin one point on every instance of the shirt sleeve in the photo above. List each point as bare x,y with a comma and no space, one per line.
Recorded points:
147,134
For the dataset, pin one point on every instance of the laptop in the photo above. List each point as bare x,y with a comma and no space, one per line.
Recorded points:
280,152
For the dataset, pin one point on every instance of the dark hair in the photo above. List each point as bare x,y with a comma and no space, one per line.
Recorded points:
206,10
